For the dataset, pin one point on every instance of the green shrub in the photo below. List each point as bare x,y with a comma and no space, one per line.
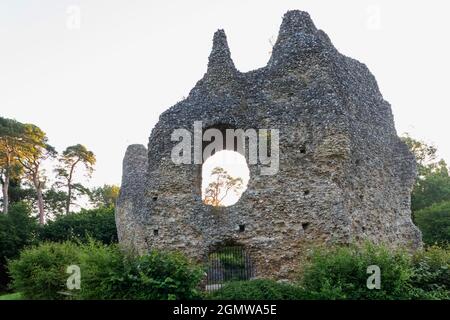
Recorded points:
159,276
106,273
262,289
431,273
40,272
98,224
341,273
17,230
103,272
434,222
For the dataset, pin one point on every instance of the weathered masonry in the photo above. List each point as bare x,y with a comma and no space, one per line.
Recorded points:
344,175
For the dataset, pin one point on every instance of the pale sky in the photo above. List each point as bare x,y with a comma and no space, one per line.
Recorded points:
103,80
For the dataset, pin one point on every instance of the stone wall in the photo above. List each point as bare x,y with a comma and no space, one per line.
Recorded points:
344,174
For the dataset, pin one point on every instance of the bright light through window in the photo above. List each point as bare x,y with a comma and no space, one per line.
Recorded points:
225,177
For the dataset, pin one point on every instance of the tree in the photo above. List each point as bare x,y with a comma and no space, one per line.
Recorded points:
425,155
432,188
32,151
11,134
105,196
220,187
19,192
95,224
434,222
55,201
17,231
433,181
69,160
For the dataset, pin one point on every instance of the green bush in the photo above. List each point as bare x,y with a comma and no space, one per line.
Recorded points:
40,272
331,273
98,224
261,289
161,276
434,222
103,272
431,273
17,230
341,273
106,273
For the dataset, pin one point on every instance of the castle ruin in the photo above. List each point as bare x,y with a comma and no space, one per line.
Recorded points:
344,175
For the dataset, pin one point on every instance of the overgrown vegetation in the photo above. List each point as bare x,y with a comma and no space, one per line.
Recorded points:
431,272
98,224
40,272
107,273
430,199
258,290
155,276
17,231
433,180
337,273
434,222
340,273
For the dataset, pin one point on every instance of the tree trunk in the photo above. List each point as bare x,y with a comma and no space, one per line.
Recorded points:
40,200
5,188
5,185
69,186
69,197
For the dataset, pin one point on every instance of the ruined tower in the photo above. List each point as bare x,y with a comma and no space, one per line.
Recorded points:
344,175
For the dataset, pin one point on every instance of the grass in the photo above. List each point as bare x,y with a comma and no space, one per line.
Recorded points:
11,296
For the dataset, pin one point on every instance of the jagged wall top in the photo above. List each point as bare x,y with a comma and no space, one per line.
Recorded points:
297,32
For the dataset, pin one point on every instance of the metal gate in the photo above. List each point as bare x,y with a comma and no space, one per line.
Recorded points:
228,264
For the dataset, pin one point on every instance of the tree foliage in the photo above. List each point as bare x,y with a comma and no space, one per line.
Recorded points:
105,196
17,231
433,181
32,152
434,222
23,150
98,224
11,135
68,161
55,201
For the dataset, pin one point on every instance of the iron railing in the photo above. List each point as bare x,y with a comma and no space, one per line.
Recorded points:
228,264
